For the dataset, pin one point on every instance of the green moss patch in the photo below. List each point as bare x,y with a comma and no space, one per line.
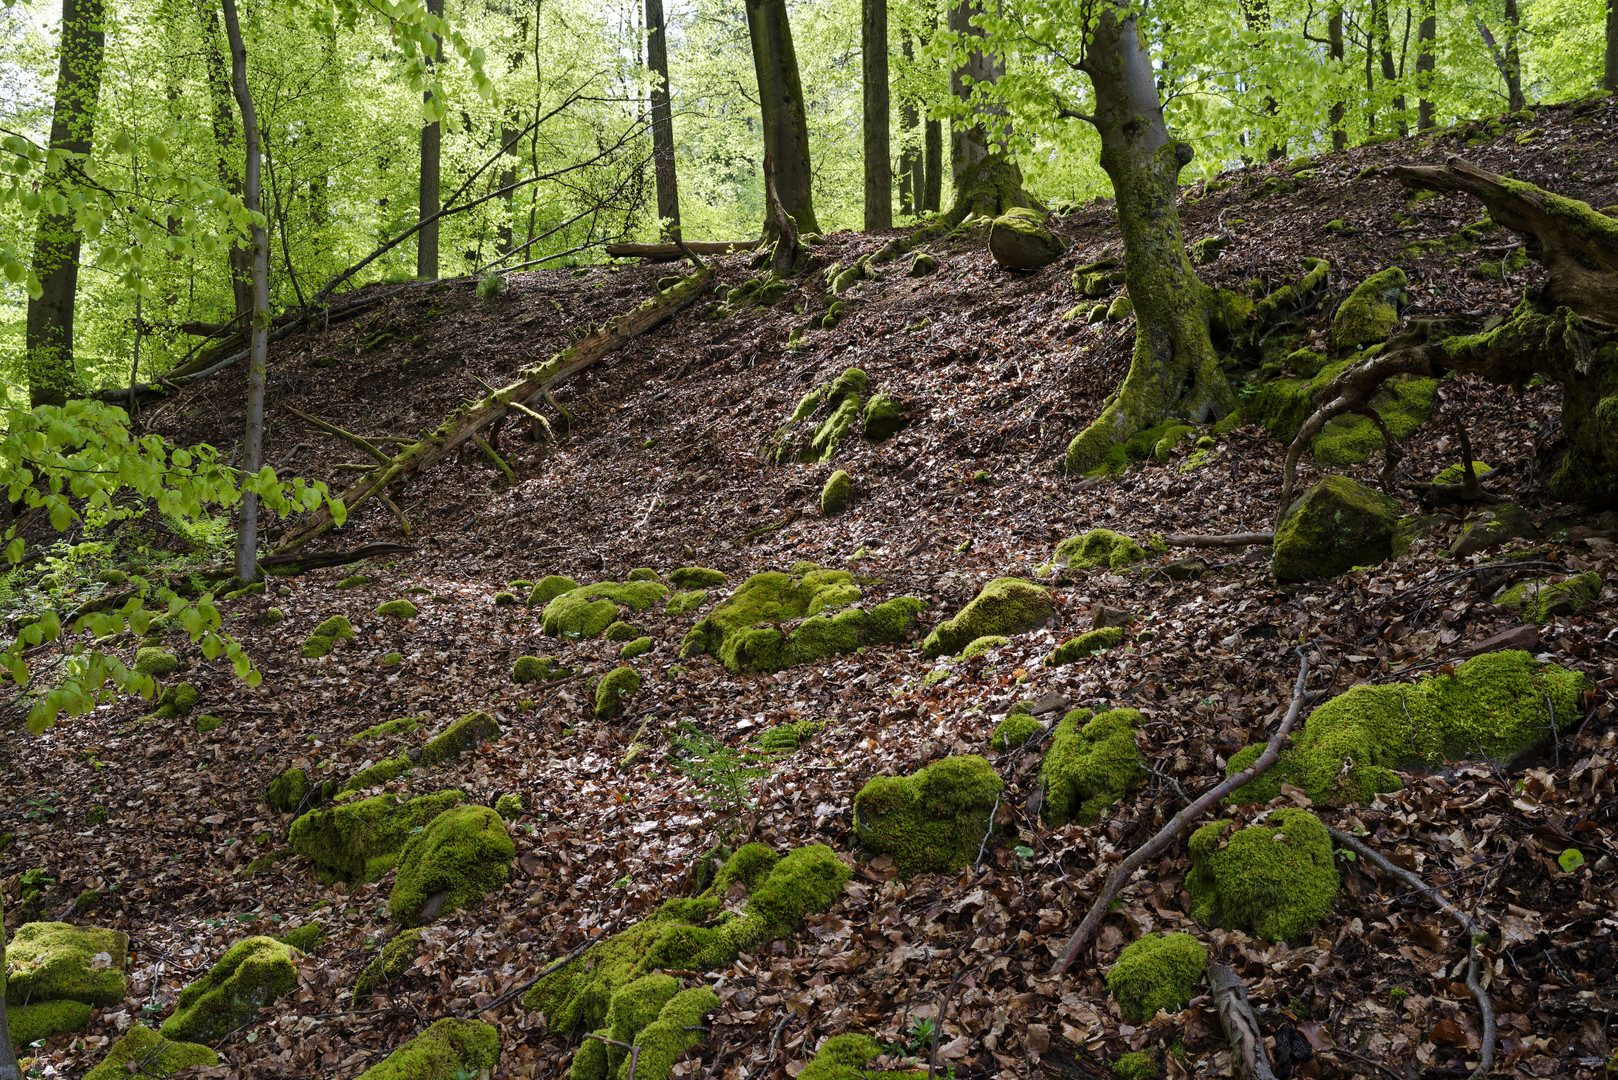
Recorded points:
362,840
1139,1064
696,577
449,1048
978,646
174,702
251,974
622,631
1371,311
287,791
1274,880
1092,762
532,669
1548,598
1157,972
509,806
304,938
463,854
353,581
399,725
638,647
1085,644
680,603
1333,527
549,588
388,967
399,609
154,1055
932,820
207,723
31,1023
1015,730
155,662
1456,473
835,495
843,1057
336,627
1004,606
653,1014
1404,404
838,402
614,686
587,612
786,738
53,961
1098,547
884,417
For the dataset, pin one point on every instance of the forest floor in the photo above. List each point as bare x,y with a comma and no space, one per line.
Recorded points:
662,468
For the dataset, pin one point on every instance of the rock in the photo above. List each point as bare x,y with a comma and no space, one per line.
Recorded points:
155,1056
388,968
1004,606
155,661
1525,638
1333,527
1016,729
1371,311
1207,249
399,609
610,692
1021,242
531,669
1083,645
696,577
1120,309
1274,880
53,961
1092,763
933,820
459,858
638,647
1102,616
588,611
449,1048
469,731
981,645
922,265
251,974
42,1019
1047,703
680,603
835,495
549,588
884,417
1542,599
362,840
621,632
1098,547
1157,972
1491,528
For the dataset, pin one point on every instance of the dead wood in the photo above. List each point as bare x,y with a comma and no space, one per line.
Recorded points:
670,252
1217,540
1241,1026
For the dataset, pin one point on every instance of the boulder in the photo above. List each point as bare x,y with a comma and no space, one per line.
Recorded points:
1021,242
53,961
459,858
1092,762
1274,880
154,1055
362,840
884,417
1003,607
835,495
1333,527
1371,311
251,974
1157,972
933,820
449,1048
1549,598
1491,528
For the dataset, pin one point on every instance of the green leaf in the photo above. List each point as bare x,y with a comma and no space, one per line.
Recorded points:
1570,860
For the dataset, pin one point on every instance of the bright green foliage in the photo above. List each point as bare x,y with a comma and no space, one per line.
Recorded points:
1089,768
399,609
933,820
1456,473
251,974
509,806
1493,705
979,646
362,840
304,938
586,612
57,962
207,723
388,966
696,577
1016,729
30,1023
449,1048
1098,547
614,686
1135,1065
622,631
680,603
884,417
175,701
638,647
464,852
531,669
1081,646
155,661
781,891
1333,527
785,738
549,588
1004,606
1158,971
287,790
1371,311
722,774
835,495
1542,600
1274,880
156,1055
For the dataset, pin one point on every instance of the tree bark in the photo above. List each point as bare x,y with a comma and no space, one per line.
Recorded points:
49,335
786,127
1384,39
1334,32
969,143
1609,72
657,59
253,438
1514,95
238,258
874,72
932,165
912,174
428,193
1426,64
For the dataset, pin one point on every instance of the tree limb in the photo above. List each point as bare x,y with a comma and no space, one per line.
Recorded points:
1246,1038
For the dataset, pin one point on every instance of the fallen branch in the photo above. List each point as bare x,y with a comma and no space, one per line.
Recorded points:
670,252
1227,540
1182,821
332,429
1241,1026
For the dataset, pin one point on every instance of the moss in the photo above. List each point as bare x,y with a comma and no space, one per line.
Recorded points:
464,852
696,577
1306,362
932,820
1334,526
843,1057
1135,1065
388,966
1404,405
399,725
587,612
251,974
399,609
391,659
531,669
505,599
362,840
449,1048
549,588
175,701
352,582
31,1023
1098,547
1274,880
1542,600
823,444
155,662
622,631
1090,767
1157,972
285,793
835,495
379,773
1456,473
1120,309
255,589
207,723
631,1009
509,806
304,938
785,738
1371,311
154,1055
978,646
1004,606
53,961
616,685
1016,729
1083,645
680,603
273,616
469,731
97,815
842,397
638,647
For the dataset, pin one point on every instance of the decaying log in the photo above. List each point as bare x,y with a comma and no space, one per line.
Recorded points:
1220,540
1241,1026
670,252
468,422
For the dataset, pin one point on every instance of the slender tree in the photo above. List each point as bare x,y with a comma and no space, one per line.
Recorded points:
1426,64
49,335
786,127
237,257
1609,73
932,164
912,174
1384,46
428,193
657,60
874,72
1339,110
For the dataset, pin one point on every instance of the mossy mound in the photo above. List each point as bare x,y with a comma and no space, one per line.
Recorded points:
549,588
362,840
1493,705
651,1013
155,661
1137,1064
336,627
464,734
206,723
1092,762
509,806
587,612
1274,880
614,686
1158,971
30,1023
638,647
835,495
154,1055
843,1057
1333,527
1020,241
399,609
174,702
304,938
695,934
642,573
786,738
978,646
745,634
839,402
353,581
463,853
1003,607
621,631
1085,644
285,793
1371,311
884,417
1404,404
399,725
1548,598
532,669
388,967
251,974
680,603
53,961
505,599
449,1048
696,577
1015,730
1098,547
932,820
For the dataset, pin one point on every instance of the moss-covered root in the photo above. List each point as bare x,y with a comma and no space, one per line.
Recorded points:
461,856
1090,765
1157,972
155,1055
1004,606
251,974
449,1048
933,820
49,961
1274,880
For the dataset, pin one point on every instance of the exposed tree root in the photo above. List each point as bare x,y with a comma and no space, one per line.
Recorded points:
1246,1038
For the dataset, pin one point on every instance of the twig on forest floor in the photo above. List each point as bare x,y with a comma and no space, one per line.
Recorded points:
1246,1038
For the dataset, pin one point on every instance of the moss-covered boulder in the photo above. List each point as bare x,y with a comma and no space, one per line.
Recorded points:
549,588
304,938
53,961
1156,972
1456,473
363,839
154,1055
1549,598
681,603
389,968
638,647
1015,730
251,974
1092,762
1492,527
1098,547
835,495
695,934
652,1013
1004,606
614,687
922,264
696,577
155,661
509,806
42,1019
1333,527
884,417
448,1049
932,820
1020,241
462,856
286,791
837,403
1086,644
587,612
621,631
532,669
398,609
844,1057
174,702
469,731
1492,705
1371,311
978,646
1274,880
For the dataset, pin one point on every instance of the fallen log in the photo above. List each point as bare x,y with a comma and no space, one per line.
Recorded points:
1220,540
466,423
670,252
1241,1026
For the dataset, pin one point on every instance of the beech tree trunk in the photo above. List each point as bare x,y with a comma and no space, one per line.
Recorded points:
1514,95
428,193
874,70
969,143
1334,33
49,335
786,127
657,59
1609,73
912,175
932,165
224,136
1384,38
1426,64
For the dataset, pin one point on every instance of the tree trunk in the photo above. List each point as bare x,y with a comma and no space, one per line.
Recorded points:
237,257
1609,74
1426,64
874,70
1334,32
253,438
508,177
786,128
657,59
9,1069
1514,94
912,174
1174,370
1384,38
428,192
969,143
932,165
49,340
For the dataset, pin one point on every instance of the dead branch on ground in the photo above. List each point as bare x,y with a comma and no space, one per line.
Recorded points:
1246,1038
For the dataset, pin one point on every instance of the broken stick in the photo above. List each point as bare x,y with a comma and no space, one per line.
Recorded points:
1241,1026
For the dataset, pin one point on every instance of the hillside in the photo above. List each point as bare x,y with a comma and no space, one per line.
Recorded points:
658,462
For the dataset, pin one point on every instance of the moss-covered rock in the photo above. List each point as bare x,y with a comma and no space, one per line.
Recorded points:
696,577
448,1049
1156,972
175,701
1091,764
1082,645
1004,606
844,1057
42,1019
362,840
653,1014
1120,309
978,646
399,725
1333,527
389,967
799,440
587,612
353,581
1015,730
1371,311
469,731
642,573
922,264
509,806
621,631
506,599
1550,598
399,609
638,647
614,686
1404,404
206,723
681,603
549,588
304,938
933,820
462,856
531,669
251,974
884,417
285,793
155,661
1274,880
337,628
154,1055
835,495
1021,242
53,961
